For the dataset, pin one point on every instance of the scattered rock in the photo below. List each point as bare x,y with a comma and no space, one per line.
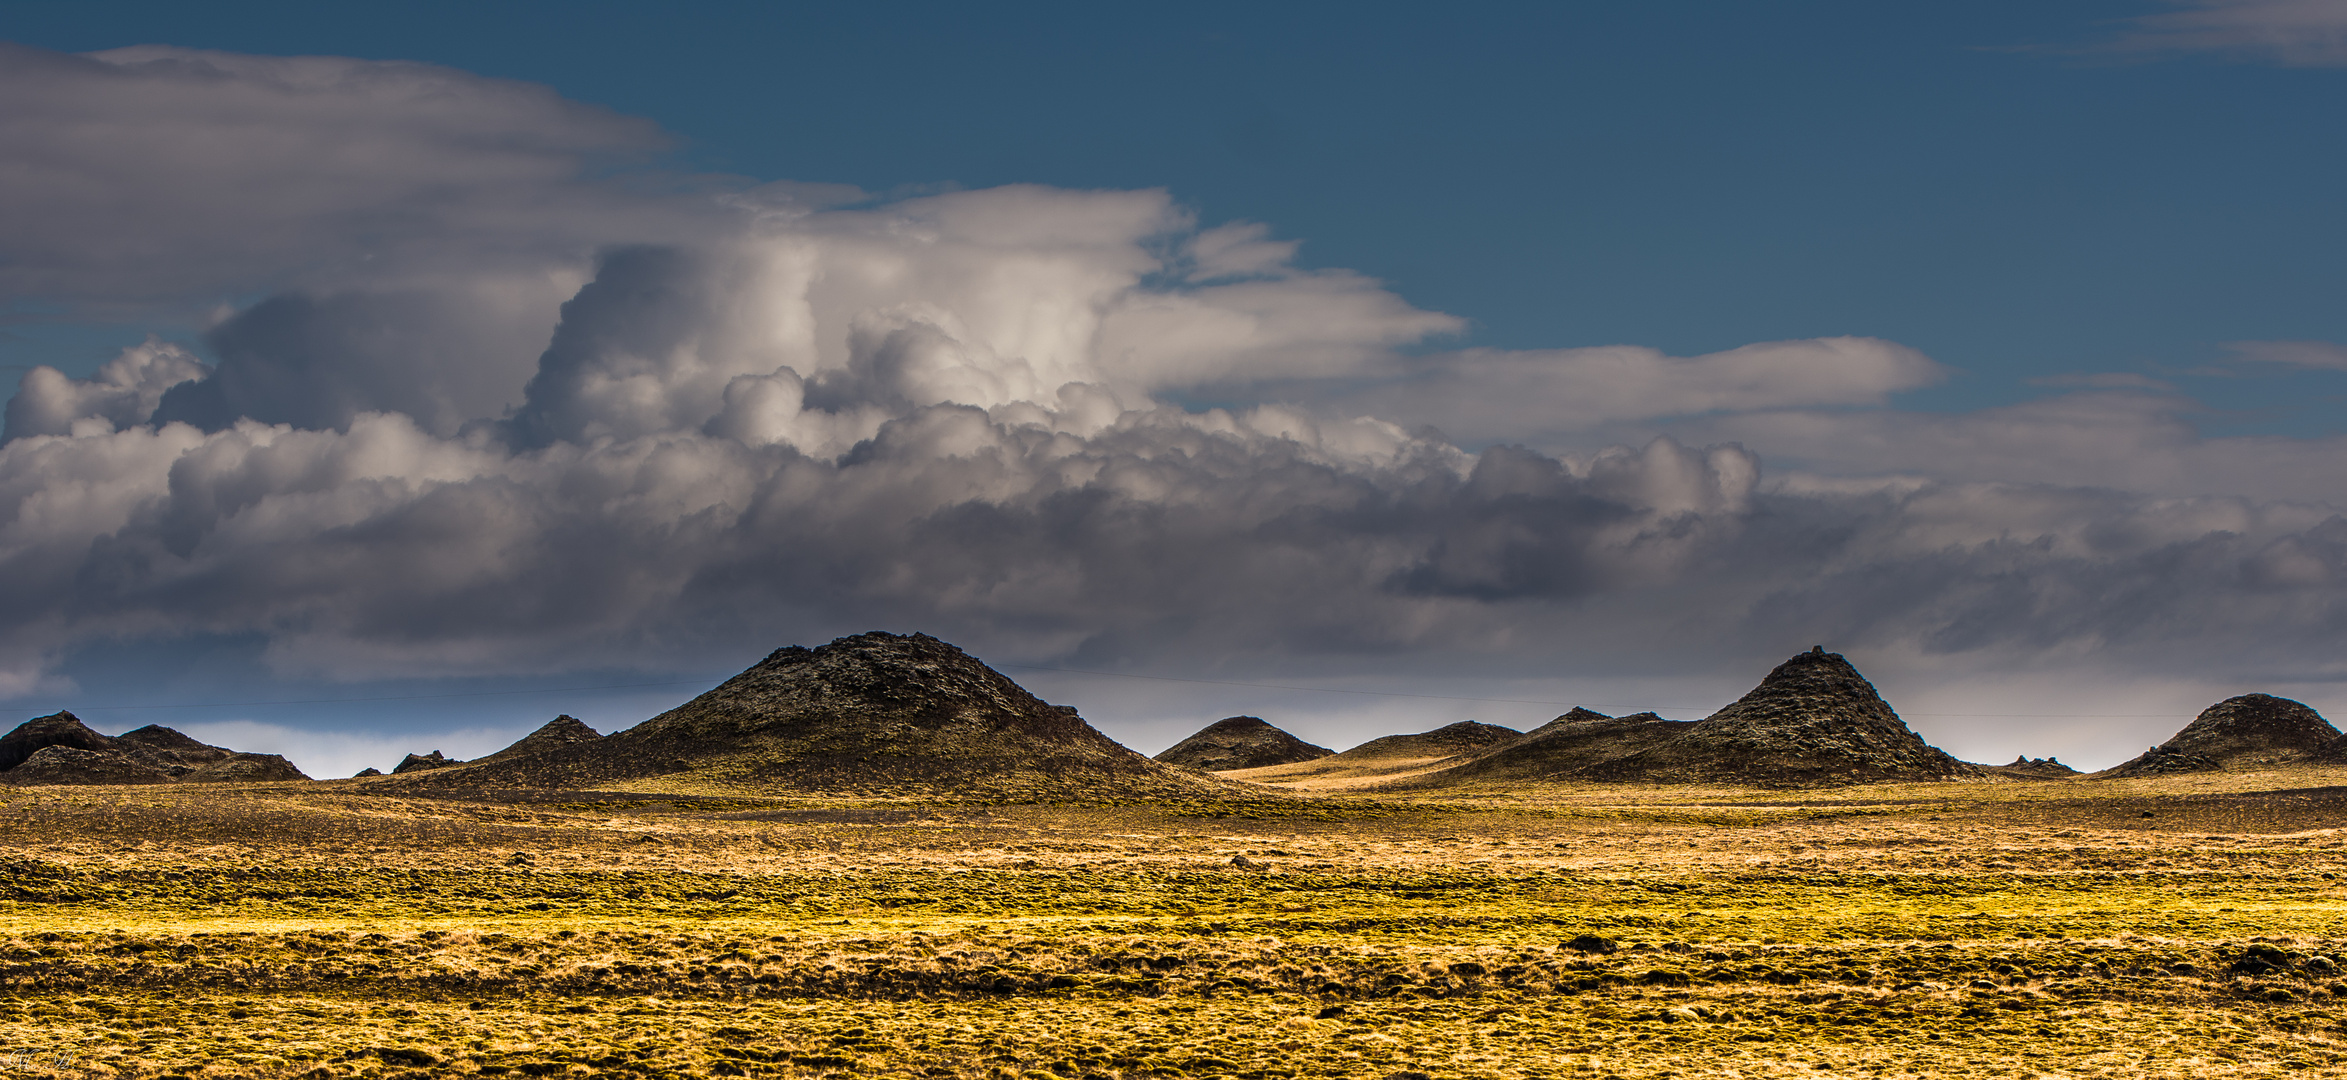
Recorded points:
1243,862
1591,943
169,750
1240,742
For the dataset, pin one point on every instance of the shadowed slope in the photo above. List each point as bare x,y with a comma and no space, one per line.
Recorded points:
1240,742
876,713
2248,731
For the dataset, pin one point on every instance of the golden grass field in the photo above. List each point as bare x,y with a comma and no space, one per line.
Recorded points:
2092,928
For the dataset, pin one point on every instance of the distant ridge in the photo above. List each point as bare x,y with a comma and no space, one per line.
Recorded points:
1240,742
875,713
1466,736
2249,731
1814,720
60,749
1390,757
2029,768
1565,746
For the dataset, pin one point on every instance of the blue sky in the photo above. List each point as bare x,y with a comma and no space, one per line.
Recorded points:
2050,445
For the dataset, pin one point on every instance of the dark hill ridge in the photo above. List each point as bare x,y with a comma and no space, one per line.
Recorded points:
1240,742
874,713
1466,736
2249,731
1562,747
60,749
2029,768
564,730
1378,760
420,762
1813,720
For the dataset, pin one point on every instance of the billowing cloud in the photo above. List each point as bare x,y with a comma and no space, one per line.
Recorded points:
779,412
2293,33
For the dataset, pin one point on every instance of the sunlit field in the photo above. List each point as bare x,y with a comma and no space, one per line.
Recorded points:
2083,928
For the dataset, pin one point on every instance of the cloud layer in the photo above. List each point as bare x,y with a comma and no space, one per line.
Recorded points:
564,426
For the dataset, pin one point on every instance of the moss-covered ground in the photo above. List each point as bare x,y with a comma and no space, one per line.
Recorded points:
2082,928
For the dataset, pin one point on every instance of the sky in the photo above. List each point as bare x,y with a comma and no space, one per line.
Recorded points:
393,379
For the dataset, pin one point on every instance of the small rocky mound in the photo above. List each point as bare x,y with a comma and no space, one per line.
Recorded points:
245,768
171,751
1241,742
420,762
564,730
2028,768
62,764
1813,720
2245,732
1464,737
1562,748
55,729
60,749
875,713
366,772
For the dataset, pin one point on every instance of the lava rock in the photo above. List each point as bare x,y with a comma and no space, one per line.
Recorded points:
1240,742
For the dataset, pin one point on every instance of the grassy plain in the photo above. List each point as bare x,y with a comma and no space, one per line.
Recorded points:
2178,927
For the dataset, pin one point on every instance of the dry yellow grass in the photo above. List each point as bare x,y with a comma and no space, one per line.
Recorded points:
2181,926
